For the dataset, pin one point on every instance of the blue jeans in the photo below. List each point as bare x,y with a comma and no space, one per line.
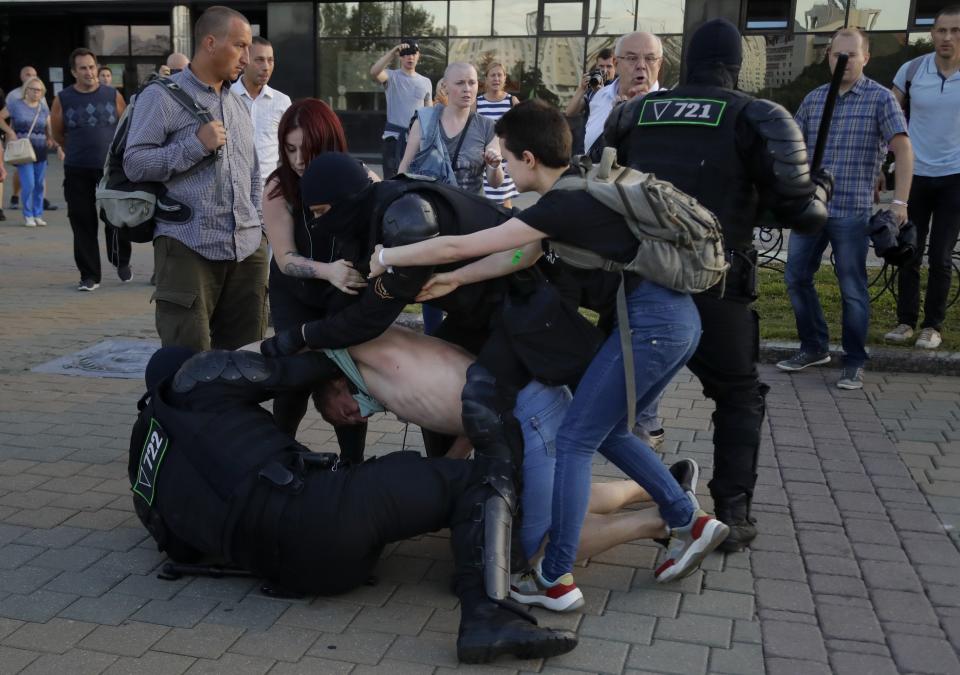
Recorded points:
432,318
665,330
848,238
540,410
31,188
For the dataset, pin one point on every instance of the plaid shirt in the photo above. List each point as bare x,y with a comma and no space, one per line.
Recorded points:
225,196
865,119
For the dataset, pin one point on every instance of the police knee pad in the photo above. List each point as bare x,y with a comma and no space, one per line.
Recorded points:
223,366
488,417
409,219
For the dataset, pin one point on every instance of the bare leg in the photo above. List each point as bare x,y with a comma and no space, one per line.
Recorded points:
601,532
461,448
613,496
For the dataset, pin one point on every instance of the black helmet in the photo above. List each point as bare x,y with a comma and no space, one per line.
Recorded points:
409,219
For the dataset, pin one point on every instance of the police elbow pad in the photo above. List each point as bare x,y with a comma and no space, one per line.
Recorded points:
783,147
409,219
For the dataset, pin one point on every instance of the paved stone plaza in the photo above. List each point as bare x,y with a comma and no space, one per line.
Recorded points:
856,569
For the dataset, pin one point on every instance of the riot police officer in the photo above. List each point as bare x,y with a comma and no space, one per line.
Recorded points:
737,155
212,474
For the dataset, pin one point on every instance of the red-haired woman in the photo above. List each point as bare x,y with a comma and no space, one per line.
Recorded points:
307,272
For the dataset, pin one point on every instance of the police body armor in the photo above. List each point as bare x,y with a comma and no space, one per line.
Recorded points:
698,122
178,470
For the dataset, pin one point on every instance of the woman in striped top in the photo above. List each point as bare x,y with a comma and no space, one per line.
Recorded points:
494,103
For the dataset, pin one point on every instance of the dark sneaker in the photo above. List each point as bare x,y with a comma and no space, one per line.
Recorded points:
14,202
802,360
88,285
691,544
851,378
652,438
530,588
2,215
687,473
735,512
125,273
47,206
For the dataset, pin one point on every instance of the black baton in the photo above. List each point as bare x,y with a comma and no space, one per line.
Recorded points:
828,106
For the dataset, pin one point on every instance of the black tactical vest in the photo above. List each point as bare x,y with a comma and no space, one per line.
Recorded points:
688,136
192,472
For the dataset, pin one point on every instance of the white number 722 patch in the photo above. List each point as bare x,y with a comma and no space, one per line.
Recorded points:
704,112
152,454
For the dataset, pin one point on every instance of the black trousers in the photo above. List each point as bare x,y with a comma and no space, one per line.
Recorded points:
935,210
79,189
332,533
726,365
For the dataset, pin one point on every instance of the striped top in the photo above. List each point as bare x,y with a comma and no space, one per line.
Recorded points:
495,110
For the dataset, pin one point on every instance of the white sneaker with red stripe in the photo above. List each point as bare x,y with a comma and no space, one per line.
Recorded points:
691,544
530,588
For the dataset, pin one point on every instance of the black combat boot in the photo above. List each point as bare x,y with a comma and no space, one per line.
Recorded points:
735,512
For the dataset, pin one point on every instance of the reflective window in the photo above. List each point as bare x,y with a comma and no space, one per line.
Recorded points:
611,16
425,18
767,14
379,18
144,71
660,16
338,18
879,14
784,67
822,16
150,40
471,17
108,40
594,45
518,56
670,65
560,64
515,17
926,10
562,16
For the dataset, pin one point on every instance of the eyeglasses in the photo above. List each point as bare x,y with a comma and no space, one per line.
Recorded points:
35,89
633,58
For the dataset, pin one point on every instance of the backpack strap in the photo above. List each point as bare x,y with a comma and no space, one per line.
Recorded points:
626,348
198,111
912,70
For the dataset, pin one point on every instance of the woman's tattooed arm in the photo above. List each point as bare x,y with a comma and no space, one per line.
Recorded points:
299,266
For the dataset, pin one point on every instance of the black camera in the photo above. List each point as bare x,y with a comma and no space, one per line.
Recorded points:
596,79
411,48
894,243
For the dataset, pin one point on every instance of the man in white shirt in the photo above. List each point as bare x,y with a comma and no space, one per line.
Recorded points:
637,57
265,103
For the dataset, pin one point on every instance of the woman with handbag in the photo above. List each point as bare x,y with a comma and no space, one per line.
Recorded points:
31,121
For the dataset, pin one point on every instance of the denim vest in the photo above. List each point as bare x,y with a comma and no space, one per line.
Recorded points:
432,159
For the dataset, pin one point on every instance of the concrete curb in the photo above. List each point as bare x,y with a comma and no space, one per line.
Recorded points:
882,358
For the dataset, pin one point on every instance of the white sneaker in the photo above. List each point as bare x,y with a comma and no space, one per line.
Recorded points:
900,334
929,339
40,221
29,221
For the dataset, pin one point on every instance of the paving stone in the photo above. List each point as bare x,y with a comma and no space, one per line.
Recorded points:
747,631
13,556
279,643
939,574
205,640
847,663
619,626
778,666
710,630
24,579
779,615
129,639
119,539
646,603
72,559
393,618
770,565
664,656
74,661
889,575
233,589
312,666
825,564
91,582
720,603
323,614
354,646
918,629
392,667
740,659
837,585
39,606
149,586
849,623
597,656
778,594
110,608
181,611
872,648
151,663
922,654
14,660
902,606
793,641
252,612
57,635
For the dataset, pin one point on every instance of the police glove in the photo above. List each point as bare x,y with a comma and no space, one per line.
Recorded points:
285,343
823,179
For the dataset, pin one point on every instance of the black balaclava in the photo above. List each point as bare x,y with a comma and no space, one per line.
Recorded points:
164,363
337,179
715,55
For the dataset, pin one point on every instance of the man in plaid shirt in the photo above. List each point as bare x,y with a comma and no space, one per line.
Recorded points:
866,121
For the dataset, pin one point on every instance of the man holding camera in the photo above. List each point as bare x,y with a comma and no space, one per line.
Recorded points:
406,90
637,58
866,120
600,75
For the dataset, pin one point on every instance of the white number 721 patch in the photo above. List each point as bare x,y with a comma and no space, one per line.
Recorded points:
704,112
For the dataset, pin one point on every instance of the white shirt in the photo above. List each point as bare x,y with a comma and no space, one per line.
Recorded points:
600,106
266,111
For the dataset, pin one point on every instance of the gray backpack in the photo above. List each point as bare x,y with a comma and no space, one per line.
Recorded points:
680,242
